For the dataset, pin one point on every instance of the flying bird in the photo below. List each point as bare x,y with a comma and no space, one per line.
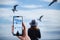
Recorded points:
14,8
52,2
40,18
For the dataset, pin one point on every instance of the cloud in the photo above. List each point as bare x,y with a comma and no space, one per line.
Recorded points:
6,14
51,17
31,14
51,1
8,2
31,6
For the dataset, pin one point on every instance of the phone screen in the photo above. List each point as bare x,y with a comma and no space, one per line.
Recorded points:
17,25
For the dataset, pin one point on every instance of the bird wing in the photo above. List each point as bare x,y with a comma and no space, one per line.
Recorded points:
41,16
15,6
52,2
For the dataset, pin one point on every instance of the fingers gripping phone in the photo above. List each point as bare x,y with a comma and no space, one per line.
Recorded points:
17,22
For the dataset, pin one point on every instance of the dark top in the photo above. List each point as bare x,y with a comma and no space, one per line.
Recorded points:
34,34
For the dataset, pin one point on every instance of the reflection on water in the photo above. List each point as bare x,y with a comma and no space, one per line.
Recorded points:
14,38
45,36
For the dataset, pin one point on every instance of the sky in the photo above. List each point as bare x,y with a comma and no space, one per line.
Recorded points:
31,9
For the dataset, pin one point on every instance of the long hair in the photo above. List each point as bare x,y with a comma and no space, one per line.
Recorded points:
33,28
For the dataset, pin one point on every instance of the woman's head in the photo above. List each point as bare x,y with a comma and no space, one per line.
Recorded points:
33,23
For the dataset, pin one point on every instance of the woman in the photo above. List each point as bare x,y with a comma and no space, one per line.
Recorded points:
33,31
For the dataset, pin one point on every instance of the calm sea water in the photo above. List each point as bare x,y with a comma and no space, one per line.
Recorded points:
11,38
5,34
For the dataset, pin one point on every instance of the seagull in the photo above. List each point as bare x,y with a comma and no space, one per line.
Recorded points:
52,2
14,8
40,18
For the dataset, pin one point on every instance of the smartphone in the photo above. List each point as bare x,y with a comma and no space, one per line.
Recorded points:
17,22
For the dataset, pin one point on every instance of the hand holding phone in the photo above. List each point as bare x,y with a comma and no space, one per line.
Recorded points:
17,25
25,35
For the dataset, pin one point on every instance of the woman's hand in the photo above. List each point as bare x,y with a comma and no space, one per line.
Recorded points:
25,34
